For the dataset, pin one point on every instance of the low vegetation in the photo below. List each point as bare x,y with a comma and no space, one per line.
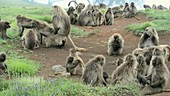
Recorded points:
157,18
33,86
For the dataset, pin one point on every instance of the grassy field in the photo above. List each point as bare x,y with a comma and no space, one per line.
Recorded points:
159,20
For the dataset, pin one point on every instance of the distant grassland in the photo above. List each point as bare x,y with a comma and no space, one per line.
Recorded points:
160,19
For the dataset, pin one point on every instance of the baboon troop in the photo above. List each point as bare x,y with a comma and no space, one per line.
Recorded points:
93,72
30,40
149,38
4,25
145,65
115,44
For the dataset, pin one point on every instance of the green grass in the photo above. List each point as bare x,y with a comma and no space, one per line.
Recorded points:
157,14
22,66
75,31
33,86
21,3
159,19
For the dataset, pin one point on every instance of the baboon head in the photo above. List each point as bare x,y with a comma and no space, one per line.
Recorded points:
157,61
109,10
130,59
2,57
132,4
157,52
7,25
80,7
100,59
150,31
140,58
126,4
119,61
71,9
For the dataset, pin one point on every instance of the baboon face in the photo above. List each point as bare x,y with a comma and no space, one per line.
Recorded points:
109,10
71,9
119,61
81,6
126,4
157,61
132,4
157,52
7,25
130,58
100,59
149,31
140,58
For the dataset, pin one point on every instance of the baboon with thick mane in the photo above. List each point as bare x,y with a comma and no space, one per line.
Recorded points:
126,72
86,17
158,74
61,23
149,38
115,44
93,72
74,61
30,40
4,25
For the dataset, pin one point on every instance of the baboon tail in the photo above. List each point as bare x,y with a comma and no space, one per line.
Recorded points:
77,48
72,1
158,91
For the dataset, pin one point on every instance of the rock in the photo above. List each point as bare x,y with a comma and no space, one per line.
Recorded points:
58,69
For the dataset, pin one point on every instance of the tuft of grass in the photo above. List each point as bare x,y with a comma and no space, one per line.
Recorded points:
32,86
139,28
75,31
22,66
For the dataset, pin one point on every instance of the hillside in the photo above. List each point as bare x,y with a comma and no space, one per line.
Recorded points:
20,3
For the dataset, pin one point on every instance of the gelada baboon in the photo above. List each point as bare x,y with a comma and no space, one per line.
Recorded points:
86,17
24,22
102,6
109,18
79,7
93,72
3,66
115,44
146,6
149,38
154,6
125,9
74,61
4,25
73,18
158,75
61,24
125,72
133,9
30,40
70,10
166,52
42,29
99,18
160,7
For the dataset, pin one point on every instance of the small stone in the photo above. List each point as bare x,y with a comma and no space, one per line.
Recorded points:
58,69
